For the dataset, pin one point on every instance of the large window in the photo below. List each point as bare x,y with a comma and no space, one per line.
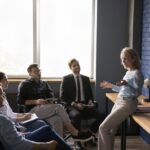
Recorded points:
16,40
47,32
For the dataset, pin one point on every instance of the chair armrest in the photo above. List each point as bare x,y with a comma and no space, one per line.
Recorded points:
21,108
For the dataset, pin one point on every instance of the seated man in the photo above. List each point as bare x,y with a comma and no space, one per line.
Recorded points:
76,91
11,139
33,92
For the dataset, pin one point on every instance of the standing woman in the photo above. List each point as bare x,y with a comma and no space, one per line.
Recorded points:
129,89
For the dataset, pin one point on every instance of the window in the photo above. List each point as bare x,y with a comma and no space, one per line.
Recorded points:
16,40
47,32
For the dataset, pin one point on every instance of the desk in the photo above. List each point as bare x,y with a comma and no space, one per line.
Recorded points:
142,119
112,97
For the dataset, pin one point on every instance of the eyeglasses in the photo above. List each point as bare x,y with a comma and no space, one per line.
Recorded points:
36,70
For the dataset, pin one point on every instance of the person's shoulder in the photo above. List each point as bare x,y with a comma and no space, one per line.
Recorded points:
44,81
68,76
25,82
84,76
137,72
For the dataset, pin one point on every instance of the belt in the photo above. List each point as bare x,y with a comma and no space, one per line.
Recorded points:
127,98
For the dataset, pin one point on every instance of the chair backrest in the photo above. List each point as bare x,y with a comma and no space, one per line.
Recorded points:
21,108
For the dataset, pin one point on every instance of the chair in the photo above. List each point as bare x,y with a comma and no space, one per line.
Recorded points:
84,121
22,108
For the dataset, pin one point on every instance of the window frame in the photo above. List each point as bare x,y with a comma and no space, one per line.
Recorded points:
36,41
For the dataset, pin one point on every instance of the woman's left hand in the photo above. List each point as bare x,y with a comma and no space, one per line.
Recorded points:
121,82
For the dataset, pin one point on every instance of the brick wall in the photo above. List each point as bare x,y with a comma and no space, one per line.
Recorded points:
146,54
146,42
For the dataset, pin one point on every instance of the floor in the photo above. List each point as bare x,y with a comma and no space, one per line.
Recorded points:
133,143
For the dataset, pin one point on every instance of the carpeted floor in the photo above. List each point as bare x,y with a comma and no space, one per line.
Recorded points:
133,143
85,145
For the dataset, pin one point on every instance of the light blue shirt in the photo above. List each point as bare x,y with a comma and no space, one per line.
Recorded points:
133,88
10,138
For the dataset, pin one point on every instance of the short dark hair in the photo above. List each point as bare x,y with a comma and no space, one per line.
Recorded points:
2,75
72,61
32,66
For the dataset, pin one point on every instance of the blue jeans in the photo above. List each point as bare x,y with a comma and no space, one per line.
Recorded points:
45,134
34,125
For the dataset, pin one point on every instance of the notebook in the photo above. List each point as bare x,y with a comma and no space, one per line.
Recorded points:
33,117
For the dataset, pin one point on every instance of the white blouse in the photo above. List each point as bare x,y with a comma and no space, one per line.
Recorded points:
6,110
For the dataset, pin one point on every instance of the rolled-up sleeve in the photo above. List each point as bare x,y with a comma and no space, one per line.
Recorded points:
115,88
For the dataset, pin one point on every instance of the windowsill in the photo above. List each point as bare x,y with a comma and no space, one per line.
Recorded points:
51,80
18,80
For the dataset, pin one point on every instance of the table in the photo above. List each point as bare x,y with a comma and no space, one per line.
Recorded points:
142,119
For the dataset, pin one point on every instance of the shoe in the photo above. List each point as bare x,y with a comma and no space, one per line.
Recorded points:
92,143
83,136
78,146
95,139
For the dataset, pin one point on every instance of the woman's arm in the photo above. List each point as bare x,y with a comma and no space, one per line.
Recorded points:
106,84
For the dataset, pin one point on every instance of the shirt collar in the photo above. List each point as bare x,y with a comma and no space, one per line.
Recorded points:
75,75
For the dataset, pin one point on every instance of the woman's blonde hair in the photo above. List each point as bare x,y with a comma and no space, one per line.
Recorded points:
127,51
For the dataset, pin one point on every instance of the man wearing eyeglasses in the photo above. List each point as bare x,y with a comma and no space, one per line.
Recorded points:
35,93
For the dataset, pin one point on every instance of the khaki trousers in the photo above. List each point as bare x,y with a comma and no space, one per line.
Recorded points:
107,130
54,114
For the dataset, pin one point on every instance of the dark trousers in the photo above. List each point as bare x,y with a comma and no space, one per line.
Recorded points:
34,125
87,113
45,134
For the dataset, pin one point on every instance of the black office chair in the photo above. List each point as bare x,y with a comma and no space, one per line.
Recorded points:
86,120
22,108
